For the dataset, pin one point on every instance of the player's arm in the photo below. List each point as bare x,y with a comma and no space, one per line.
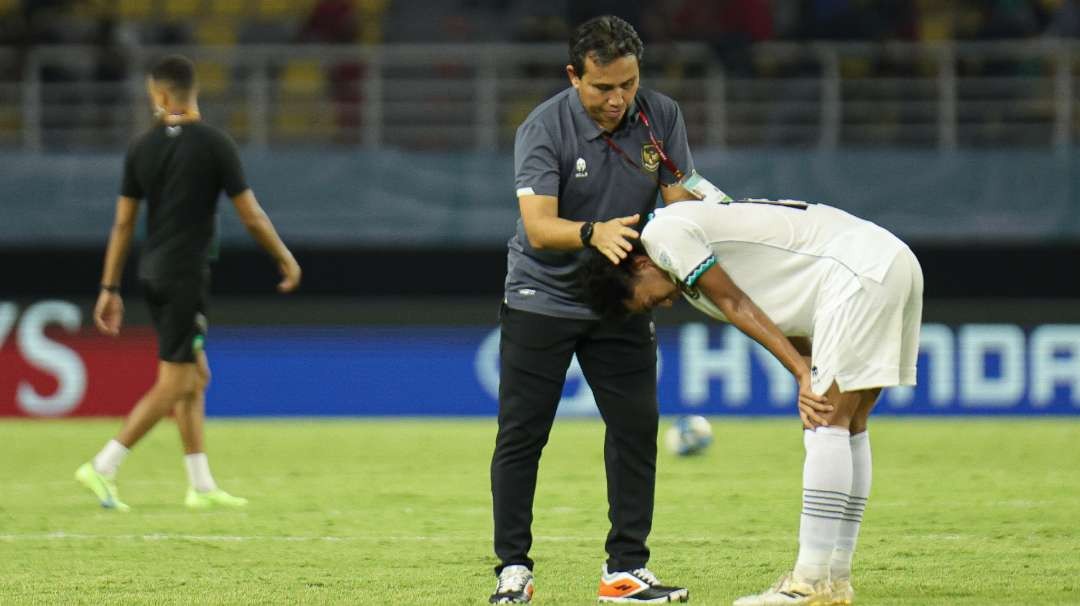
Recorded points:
742,312
675,193
804,347
677,145
109,309
546,230
259,226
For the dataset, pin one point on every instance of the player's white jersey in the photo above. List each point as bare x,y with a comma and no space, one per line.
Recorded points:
791,258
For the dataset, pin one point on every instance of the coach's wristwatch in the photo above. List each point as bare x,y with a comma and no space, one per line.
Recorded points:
586,233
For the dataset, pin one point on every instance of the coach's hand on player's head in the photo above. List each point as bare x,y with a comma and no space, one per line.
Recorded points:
811,405
290,274
109,313
612,238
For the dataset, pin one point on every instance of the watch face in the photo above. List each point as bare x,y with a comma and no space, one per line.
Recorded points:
586,233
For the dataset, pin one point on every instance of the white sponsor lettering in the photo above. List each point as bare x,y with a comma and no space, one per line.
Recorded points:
50,357
977,343
730,363
977,366
1055,361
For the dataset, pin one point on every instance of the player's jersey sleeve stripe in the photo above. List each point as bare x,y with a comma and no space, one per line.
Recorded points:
699,269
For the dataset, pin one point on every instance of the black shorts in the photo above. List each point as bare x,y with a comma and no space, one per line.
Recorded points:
178,309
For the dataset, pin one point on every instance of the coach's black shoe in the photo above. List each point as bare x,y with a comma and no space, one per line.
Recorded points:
638,586
515,586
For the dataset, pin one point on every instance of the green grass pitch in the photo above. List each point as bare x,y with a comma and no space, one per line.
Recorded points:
355,511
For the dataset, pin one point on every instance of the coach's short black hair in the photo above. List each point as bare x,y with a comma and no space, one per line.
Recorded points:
175,71
606,287
606,39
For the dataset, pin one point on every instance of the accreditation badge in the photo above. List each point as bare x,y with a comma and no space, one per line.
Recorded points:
703,189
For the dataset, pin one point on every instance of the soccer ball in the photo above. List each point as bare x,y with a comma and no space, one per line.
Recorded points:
690,434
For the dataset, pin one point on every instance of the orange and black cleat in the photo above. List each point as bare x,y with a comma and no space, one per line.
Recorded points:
638,586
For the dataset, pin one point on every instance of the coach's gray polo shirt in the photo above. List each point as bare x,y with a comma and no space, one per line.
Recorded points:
560,151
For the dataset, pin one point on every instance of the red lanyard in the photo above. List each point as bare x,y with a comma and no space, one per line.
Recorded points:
664,158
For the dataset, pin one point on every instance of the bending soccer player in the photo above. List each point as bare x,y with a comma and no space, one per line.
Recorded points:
801,279
180,166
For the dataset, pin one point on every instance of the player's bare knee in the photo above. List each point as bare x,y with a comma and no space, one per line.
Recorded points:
868,400
845,408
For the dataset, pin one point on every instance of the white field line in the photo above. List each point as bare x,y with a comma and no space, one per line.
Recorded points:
79,536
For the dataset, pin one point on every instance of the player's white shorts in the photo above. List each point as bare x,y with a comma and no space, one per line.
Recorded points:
872,338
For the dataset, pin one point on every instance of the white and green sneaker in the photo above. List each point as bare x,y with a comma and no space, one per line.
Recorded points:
103,487
214,499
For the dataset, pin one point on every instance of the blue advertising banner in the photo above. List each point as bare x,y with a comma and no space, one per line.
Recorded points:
986,369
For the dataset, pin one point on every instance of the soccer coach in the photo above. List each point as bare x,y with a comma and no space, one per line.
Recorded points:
588,164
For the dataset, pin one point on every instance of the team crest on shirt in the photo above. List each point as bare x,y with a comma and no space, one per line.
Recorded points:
650,157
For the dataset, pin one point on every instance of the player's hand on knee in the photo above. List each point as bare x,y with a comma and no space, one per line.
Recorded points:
812,406
612,238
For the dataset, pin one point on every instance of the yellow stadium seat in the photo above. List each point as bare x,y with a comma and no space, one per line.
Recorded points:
135,9
303,78
87,8
10,119
227,8
216,32
182,9
373,7
213,77
239,122
283,8
855,67
304,120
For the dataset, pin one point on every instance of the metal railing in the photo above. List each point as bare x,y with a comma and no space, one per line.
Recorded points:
452,97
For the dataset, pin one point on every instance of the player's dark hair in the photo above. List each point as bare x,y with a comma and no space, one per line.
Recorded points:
605,38
176,72
606,287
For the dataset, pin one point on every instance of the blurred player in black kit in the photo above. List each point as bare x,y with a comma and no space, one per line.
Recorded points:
180,167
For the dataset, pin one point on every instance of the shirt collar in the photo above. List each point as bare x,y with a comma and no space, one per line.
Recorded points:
584,122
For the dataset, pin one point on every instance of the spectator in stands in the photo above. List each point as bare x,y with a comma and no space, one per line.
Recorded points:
109,75
851,20
330,22
1065,21
1011,19
628,10
731,27
337,22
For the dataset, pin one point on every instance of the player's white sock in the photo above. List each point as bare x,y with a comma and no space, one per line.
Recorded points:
109,459
826,485
840,565
198,472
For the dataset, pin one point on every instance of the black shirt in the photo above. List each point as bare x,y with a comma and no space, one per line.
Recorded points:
180,170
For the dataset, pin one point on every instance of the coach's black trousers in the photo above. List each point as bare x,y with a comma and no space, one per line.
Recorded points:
619,363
